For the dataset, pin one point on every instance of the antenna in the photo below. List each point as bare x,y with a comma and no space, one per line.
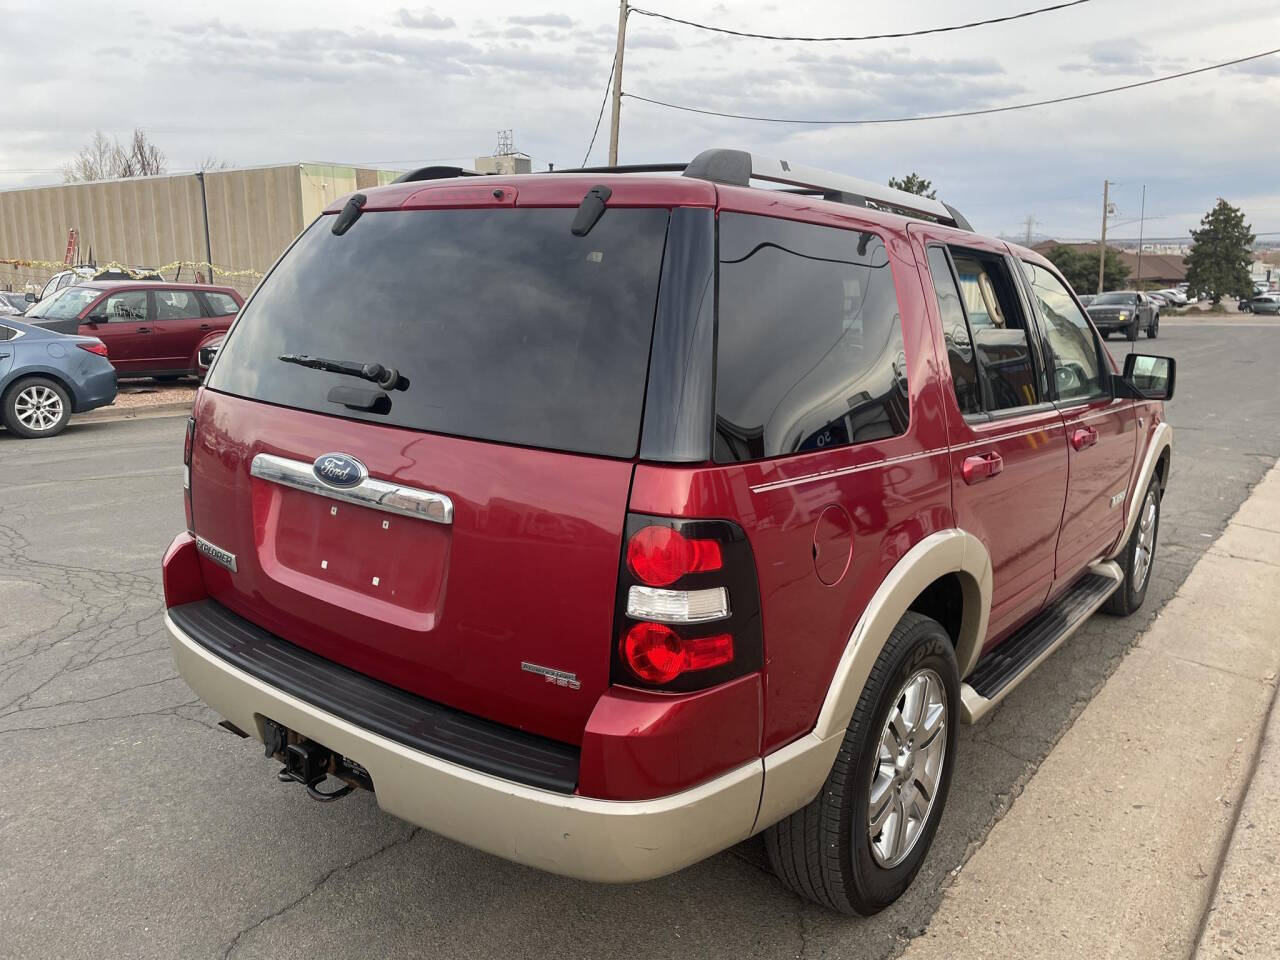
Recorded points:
504,148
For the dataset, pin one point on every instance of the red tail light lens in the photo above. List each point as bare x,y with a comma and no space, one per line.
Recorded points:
659,556
186,444
95,347
658,654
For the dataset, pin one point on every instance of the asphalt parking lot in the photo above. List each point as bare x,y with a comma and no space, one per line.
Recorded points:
132,826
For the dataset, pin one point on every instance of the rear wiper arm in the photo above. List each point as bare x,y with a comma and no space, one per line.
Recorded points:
386,377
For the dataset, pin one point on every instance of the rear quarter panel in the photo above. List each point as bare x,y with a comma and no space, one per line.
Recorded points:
891,494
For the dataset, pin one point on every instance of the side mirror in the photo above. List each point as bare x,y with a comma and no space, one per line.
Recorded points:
31,297
1151,377
96,318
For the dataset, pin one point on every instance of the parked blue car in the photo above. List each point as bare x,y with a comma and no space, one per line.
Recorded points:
45,377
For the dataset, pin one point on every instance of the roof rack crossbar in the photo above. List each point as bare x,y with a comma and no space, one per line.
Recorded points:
739,168
627,168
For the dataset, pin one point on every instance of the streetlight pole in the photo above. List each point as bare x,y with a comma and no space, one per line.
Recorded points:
1102,247
617,83
1142,213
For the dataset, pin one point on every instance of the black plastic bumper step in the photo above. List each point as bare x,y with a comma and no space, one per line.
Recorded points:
380,708
1003,664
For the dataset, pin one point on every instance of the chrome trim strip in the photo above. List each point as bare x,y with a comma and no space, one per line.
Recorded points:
375,494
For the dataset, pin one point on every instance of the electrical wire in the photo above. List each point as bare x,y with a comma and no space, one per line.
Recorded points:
873,36
958,113
600,117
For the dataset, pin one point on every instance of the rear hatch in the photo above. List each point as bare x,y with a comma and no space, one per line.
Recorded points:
521,354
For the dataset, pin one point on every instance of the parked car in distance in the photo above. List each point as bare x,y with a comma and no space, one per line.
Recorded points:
46,376
204,356
1173,297
1125,311
1267,303
151,329
12,302
605,531
79,274
1157,298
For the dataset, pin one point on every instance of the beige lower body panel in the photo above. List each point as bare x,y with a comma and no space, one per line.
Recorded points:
601,840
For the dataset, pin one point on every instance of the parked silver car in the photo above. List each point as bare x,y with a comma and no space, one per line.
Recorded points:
1267,303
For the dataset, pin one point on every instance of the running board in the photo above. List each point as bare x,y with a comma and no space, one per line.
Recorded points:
999,671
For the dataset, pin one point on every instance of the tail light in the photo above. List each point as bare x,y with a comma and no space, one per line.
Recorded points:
186,470
688,606
96,347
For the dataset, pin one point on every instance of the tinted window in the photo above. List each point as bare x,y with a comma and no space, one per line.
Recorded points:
1113,299
810,352
221,304
506,325
964,367
999,330
127,306
1077,367
177,305
6,333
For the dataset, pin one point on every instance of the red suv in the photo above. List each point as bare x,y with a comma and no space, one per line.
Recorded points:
602,520
151,329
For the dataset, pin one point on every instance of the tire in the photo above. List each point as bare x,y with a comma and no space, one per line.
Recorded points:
1137,571
826,852
36,407
1153,329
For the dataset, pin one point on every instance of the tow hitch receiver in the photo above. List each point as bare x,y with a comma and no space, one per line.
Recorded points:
305,762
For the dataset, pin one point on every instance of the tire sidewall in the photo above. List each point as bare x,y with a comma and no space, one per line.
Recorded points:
928,646
1137,593
10,408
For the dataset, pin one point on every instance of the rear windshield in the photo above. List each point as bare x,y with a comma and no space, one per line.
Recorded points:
506,326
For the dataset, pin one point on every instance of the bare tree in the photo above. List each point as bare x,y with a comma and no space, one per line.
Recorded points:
215,163
107,159
96,161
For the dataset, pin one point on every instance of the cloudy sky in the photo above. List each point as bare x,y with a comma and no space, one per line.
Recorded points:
396,85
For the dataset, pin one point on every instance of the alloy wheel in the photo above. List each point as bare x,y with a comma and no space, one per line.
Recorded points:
909,763
1146,541
38,407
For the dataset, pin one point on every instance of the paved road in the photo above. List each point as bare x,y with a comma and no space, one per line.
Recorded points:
131,826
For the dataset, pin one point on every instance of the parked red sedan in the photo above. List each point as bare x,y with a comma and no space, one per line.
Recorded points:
151,329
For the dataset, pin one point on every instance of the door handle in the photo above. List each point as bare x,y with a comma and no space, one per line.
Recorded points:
143,330
206,326
984,467
1083,437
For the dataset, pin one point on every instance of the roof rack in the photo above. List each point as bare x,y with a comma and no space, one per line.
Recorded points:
436,173
739,168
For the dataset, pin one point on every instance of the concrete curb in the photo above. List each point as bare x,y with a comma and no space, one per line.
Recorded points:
1115,847
113,413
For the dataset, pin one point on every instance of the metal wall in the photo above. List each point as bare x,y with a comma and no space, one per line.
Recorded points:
151,221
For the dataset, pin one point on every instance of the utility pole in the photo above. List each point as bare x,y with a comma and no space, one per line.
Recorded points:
617,83
1102,247
1142,213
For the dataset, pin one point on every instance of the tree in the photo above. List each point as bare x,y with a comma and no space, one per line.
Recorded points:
1218,263
106,159
215,163
914,183
1080,267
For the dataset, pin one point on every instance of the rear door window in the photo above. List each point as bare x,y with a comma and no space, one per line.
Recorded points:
1000,331
955,331
809,353
506,326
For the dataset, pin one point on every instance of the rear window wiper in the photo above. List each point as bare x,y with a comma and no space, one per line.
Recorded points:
386,377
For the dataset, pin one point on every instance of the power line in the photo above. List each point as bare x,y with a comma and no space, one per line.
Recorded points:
959,113
873,36
607,86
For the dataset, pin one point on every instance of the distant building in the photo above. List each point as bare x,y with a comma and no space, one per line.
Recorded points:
1155,270
507,165
253,214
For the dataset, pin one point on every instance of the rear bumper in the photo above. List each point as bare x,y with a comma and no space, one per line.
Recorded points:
602,840
95,390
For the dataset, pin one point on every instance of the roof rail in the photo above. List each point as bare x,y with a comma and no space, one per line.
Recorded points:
627,168
436,173
739,168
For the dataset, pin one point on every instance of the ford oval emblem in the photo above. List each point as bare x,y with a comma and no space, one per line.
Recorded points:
339,470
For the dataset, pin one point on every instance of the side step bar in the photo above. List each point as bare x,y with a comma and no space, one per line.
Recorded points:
999,671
